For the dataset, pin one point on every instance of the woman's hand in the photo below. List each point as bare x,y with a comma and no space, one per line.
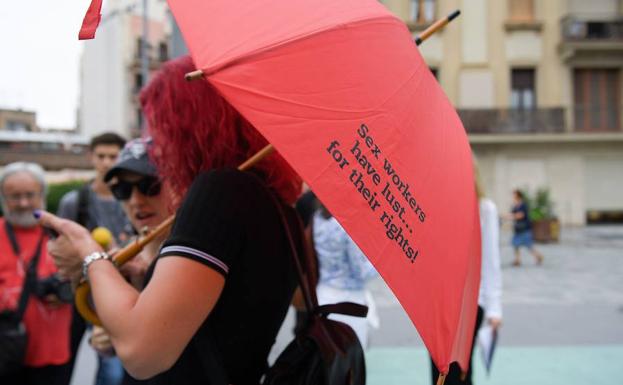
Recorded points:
100,341
495,323
135,269
72,245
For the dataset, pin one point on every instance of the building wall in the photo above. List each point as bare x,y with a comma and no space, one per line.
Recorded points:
109,63
474,56
581,178
18,120
101,81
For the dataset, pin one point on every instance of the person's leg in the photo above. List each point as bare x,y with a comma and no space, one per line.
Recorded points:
46,375
110,371
454,374
529,243
516,243
537,255
479,318
517,261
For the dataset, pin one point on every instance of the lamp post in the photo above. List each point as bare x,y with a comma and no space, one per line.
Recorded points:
144,46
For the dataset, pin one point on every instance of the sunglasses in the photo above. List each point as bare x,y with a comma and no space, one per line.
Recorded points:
148,186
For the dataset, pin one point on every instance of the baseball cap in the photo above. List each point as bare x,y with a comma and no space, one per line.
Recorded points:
134,158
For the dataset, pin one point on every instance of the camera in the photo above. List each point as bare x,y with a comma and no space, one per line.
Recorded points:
55,285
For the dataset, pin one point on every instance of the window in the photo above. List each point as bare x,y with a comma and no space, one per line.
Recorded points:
163,51
139,119
12,125
139,43
138,81
521,10
523,94
148,47
422,11
597,99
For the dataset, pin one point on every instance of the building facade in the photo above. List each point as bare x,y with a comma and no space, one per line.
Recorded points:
21,139
18,121
111,74
538,86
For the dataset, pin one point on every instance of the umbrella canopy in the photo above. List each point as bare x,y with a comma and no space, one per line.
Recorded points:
341,91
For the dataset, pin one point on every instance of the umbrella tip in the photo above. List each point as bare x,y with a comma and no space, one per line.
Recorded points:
193,75
454,14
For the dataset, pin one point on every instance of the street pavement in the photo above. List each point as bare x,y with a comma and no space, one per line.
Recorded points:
563,321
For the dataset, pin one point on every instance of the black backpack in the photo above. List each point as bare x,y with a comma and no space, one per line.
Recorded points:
324,351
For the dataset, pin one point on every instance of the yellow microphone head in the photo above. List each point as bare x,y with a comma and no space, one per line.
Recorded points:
102,236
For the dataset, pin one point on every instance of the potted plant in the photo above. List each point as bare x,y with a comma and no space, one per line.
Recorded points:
545,225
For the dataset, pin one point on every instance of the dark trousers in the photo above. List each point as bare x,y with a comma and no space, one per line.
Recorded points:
45,375
454,375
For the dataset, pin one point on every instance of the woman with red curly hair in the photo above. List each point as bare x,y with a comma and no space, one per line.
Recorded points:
218,292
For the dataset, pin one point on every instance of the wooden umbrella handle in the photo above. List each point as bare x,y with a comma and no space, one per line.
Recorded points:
83,290
439,24
441,379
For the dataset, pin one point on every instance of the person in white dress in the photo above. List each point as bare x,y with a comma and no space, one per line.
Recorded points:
490,295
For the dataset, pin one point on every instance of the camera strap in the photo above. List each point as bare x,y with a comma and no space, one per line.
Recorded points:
31,272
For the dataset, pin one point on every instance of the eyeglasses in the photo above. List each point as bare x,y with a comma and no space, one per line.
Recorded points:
148,186
29,196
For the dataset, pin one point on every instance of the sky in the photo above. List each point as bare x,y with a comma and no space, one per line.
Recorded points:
39,63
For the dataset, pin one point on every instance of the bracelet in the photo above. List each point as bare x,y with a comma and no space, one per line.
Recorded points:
89,259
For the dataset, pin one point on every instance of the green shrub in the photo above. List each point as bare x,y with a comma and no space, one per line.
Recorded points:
539,204
57,190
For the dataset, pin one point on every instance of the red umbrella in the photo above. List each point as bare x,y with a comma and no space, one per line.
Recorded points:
341,91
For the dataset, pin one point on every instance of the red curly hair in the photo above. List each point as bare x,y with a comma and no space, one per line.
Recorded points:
195,129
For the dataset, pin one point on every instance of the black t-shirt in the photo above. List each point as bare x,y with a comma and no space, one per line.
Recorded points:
523,224
230,222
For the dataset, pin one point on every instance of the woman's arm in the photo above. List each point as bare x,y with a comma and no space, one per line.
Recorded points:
149,330
491,279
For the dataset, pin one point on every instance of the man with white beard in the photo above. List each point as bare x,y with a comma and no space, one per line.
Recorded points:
22,240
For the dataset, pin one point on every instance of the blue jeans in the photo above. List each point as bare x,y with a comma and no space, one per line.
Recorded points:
109,372
523,238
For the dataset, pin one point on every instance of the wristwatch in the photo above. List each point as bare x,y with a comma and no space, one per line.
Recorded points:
89,259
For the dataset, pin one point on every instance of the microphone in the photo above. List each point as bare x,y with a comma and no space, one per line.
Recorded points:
102,236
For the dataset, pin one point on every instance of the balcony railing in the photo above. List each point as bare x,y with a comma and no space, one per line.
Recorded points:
592,27
597,118
513,121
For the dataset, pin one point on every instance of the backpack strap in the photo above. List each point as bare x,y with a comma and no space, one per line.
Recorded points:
31,273
82,216
345,308
306,281
309,296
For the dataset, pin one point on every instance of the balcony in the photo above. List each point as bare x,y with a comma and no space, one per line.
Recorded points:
587,39
597,118
513,121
